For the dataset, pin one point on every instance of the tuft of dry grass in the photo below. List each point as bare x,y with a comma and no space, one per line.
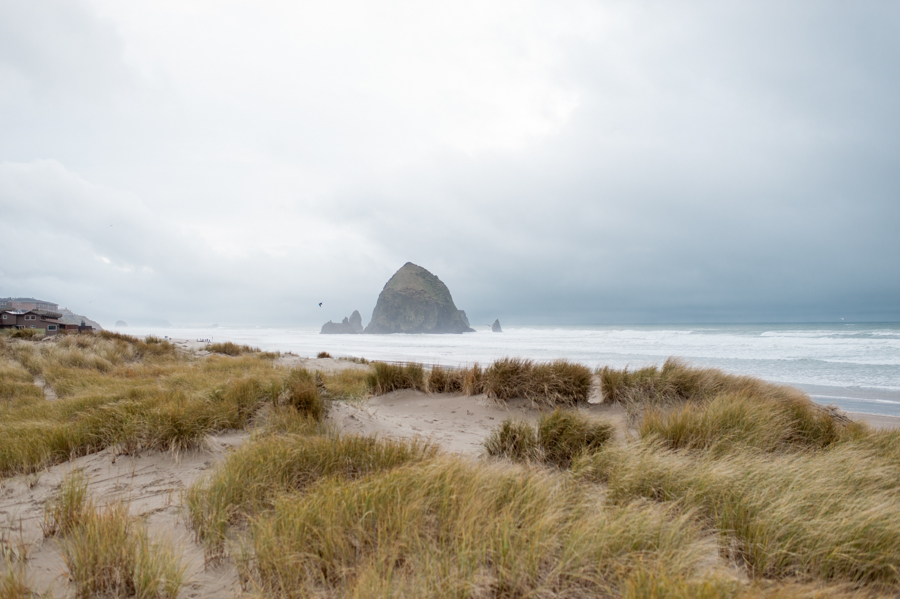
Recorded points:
231,349
251,477
557,383
14,583
301,392
69,508
676,382
354,359
323,354
557,439
448,527
732,419
348,384
385,377
109,554
829,514
445,380
106,550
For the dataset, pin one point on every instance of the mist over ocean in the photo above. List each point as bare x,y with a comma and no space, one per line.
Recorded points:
854,366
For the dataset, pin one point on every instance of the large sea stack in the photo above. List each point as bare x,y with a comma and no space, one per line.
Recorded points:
416,301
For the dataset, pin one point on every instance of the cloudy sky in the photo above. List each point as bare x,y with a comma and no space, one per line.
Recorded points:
552,161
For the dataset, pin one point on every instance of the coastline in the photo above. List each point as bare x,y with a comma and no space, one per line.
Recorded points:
822,394
877,421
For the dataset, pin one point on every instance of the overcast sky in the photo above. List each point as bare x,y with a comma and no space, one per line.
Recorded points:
555,162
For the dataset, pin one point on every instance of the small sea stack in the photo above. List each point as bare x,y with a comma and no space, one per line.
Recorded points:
496,326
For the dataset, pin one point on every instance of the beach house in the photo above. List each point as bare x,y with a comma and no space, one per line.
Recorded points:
32,319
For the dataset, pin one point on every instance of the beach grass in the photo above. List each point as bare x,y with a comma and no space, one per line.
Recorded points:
253,476
109,553
557,438
448,527
347,384
115,390
558,383
828,514
385,377
230,349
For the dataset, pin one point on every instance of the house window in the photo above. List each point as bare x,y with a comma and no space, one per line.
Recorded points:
51,327
32,326
4,317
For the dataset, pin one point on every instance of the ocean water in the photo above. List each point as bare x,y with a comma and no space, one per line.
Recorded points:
855,366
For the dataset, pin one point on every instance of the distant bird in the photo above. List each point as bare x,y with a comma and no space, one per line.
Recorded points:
320,304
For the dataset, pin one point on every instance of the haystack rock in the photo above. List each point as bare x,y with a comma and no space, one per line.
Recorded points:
121,323
496,326
416,301
348,326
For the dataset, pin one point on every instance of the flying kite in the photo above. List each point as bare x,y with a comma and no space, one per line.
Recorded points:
320,304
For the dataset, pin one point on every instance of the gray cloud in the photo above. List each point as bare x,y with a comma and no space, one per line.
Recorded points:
576,162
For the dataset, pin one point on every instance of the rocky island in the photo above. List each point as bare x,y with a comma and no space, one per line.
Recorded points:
416,301
348,326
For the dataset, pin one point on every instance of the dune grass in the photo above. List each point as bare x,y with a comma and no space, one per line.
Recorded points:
347,384
466,380
110,554
829,514
676,382
448,527
116,390
69,508
323,354
558,383
385,377
557,438
230,349
251,477
741,419
14,583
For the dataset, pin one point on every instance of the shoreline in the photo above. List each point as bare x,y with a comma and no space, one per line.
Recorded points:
821,394
876,421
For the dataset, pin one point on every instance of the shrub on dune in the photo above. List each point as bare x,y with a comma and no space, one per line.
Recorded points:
557,383
230,349
557,439
385,377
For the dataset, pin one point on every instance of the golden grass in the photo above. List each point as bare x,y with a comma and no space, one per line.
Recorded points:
230,349
323,354
675,382
110,554
69,508
251,477
347,384
118,390
731,419
557,438
831,514
448,527
385,377
14,583
553,384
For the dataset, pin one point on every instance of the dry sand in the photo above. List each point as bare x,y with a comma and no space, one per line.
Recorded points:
154,482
